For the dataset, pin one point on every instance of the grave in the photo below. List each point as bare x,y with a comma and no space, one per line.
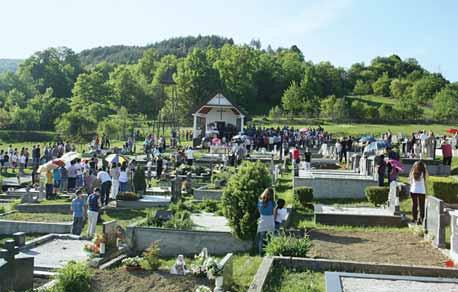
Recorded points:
54,251
210,222
16,273
204,193
146,201
356,282
454,236
334,183
435,167
436,220
359,216
20,192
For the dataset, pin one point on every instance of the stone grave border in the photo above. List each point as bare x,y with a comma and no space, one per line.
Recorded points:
324,265
44,208
13,226
217,242
124,204
333,279
203,193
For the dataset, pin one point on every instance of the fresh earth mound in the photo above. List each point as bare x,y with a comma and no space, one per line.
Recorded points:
119,280
374,246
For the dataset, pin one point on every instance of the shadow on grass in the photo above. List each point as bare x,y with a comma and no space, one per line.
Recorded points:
318,235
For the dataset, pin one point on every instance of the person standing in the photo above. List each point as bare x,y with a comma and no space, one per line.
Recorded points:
189,155
381,169
63,179
49,185
417,179
115,173
266,224
56,174
123,179
159,166
78,209
72,173
105,182
447,152
93,212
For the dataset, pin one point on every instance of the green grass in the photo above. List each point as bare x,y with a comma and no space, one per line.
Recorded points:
284,280
244,269
38,217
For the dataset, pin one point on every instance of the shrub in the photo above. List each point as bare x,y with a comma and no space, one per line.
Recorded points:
127,196
2,209
304,195
210,206
140,180
444,188
240,198
180,220
377,195
151,256
74,277
284,245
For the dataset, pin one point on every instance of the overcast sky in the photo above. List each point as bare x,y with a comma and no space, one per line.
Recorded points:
340,31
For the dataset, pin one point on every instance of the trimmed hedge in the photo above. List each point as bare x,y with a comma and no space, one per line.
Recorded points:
377,195
444,188
304,195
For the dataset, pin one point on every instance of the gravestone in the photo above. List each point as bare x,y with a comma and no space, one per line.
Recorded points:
393,197
110,232
15,273
176,189
370,165
355,162
454,236
19,238
28,197
436,219
227,265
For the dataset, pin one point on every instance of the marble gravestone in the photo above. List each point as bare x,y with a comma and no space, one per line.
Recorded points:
436,219
393,198
454,236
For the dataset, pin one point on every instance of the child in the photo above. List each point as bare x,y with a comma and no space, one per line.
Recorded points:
279,214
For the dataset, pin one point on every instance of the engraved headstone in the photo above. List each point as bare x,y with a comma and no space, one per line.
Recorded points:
454,235
393,197
436,219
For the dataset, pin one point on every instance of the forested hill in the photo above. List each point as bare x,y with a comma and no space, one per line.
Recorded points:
179,46
9,65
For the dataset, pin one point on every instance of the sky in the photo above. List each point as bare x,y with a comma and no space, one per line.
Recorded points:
340,31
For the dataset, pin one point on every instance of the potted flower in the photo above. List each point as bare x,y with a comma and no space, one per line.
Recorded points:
132,264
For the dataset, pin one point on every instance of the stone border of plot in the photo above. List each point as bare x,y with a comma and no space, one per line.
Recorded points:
44,208
333,279
187,242
13,226
323,265
124,204
203,193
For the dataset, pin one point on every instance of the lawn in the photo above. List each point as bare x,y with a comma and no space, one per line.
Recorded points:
37,217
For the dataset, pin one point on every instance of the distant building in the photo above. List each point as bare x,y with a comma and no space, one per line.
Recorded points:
218,116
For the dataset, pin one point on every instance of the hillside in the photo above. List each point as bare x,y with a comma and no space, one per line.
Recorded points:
179,46
9,65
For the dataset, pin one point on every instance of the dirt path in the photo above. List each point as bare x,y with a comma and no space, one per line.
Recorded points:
119,280
377,247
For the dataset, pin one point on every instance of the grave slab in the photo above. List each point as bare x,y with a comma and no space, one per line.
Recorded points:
355,282
210,222
331,215
147,201
56,253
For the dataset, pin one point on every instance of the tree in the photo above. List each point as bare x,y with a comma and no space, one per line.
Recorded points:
399,87
241,195
75,126
426,88
382,85
386,112
293,99
445,104
334,108
361,88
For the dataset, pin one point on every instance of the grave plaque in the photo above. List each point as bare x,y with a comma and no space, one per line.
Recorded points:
110,232
454,236
393,197
436,220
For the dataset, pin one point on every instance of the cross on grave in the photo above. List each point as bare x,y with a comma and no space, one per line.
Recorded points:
10,250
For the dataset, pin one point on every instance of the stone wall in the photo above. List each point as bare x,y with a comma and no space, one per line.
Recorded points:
173,242
336,186
10,227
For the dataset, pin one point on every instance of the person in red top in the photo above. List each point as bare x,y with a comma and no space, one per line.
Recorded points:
446,152
296,155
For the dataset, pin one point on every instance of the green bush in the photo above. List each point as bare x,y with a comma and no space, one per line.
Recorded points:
444,188
140,180
240,198
304,195
284,245
377,195
128,196
27,136
74,277
2,209
180,220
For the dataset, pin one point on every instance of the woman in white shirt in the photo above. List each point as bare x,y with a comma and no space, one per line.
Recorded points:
417,179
